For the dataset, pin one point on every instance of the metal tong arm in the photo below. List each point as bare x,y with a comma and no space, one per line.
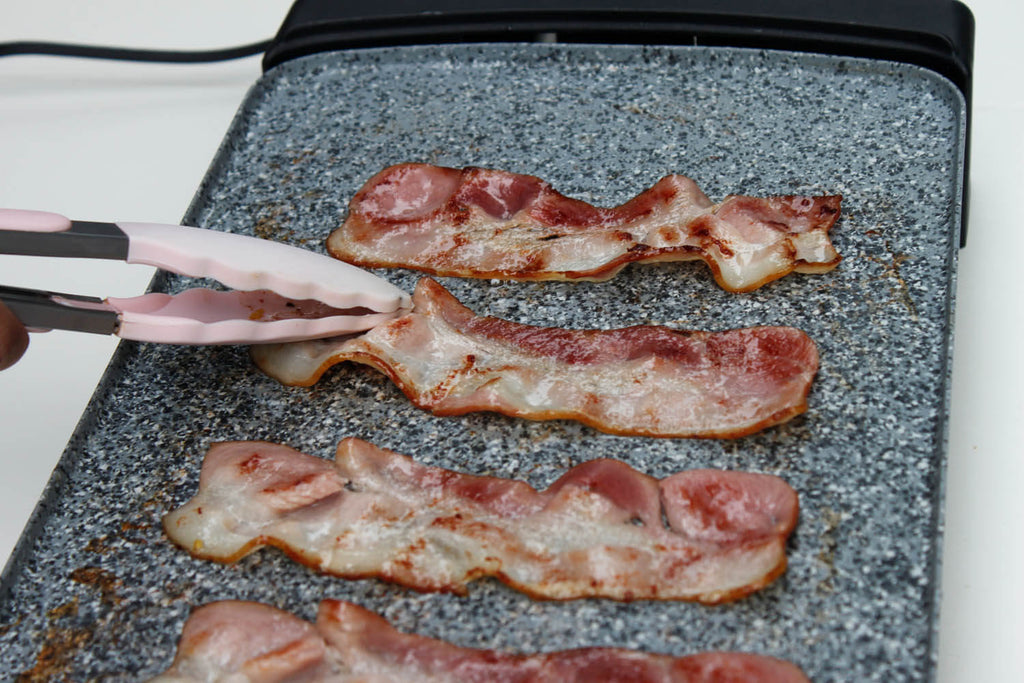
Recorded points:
39,310
238,261
81,239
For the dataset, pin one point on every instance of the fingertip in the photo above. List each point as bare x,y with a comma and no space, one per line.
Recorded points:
13,338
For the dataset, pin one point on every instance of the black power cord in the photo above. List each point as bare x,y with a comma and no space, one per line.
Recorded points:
131,54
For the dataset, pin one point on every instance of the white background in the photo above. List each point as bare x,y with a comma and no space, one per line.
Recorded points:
109,141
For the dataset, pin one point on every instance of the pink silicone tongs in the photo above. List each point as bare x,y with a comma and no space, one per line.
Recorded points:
282,293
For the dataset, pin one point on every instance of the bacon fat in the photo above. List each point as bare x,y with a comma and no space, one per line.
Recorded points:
601,530
484,223
644,380
248,642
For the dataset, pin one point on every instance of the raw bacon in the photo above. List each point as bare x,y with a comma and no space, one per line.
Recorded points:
642,380
601,530
245,642
483,223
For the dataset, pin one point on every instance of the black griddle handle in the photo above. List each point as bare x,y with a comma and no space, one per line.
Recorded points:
935,34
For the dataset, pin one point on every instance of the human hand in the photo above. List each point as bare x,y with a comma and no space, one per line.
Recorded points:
13,338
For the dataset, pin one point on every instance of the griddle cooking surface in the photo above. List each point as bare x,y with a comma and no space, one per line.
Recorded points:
96,590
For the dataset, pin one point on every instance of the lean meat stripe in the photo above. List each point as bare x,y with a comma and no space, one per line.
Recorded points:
601,530
246,642
643,381
484,223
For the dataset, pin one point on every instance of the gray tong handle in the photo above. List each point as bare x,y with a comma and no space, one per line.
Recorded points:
41,310
84,239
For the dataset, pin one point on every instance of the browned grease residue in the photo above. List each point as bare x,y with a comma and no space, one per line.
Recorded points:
98,546
827,555
68,609
891,271
99,578
59,647
271,225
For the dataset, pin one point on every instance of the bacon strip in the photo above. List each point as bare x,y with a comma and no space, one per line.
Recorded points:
248,642
484,223
601,530
643,380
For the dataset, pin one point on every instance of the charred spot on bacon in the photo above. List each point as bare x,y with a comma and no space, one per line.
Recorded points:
483,223
248,641
644,380
601,530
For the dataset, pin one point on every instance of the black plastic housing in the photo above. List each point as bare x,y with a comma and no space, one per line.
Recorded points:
936,34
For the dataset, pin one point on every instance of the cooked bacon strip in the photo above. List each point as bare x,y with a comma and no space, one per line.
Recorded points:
245,642
643,380
601,530
477,222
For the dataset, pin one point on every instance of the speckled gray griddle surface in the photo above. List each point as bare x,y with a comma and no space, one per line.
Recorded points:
96,590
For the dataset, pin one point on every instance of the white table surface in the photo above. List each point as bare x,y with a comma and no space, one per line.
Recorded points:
114,141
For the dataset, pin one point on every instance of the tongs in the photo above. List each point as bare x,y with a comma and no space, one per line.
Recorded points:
279,292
